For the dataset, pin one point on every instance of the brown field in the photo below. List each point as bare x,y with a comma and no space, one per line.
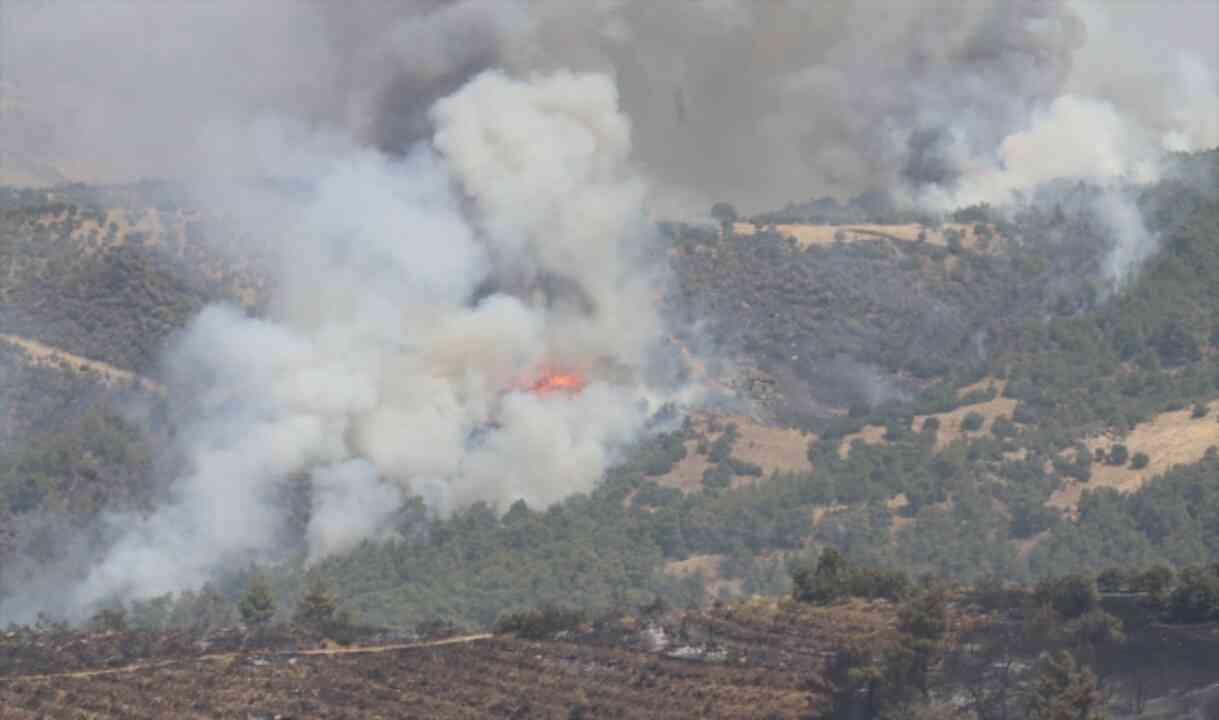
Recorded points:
758,659
868,435
771,448
807,235
950,422
1172,438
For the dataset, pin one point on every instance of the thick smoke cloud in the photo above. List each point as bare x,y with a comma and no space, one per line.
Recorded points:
759,103
473,182
378,376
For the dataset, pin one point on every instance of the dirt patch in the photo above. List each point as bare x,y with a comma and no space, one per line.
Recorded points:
773,449
950,422
868,435
1172,438
807,235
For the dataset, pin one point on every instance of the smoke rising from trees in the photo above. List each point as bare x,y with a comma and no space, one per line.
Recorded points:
476,177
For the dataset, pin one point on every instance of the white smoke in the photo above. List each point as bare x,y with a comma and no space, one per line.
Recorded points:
381,373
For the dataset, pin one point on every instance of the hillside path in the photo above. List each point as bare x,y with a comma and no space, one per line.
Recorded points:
356,650
46,355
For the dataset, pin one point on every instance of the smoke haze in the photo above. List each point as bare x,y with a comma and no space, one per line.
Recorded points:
477,177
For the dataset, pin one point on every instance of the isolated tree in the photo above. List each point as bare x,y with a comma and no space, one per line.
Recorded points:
725,215
1118,455
1139,461
257,606
1064,691
110,619
972,422
923,622
317,607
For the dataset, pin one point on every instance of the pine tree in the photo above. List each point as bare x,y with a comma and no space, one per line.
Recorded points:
1063,691
317,607
257,605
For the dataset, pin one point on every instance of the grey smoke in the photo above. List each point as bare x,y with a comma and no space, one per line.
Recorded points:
757,103
476,177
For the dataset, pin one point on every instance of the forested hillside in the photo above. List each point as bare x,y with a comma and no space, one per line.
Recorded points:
997,414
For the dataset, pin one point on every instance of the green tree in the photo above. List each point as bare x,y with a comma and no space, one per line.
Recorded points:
1064,691
110,619
257,606
1139,461
1071,596
824,584
1196,597
972,422
923,622
725,215
316,609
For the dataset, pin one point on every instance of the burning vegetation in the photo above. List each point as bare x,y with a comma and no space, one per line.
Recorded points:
558,381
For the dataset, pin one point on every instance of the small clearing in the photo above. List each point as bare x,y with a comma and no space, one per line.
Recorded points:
1172,438
950,422
773,449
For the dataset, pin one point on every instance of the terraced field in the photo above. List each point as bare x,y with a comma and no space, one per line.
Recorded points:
753,660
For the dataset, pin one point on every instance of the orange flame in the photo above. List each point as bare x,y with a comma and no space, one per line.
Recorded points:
558,382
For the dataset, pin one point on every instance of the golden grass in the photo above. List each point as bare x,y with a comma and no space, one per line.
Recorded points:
773,449
1171,438
868,435
807,234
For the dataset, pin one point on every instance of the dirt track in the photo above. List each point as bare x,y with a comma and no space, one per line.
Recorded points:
48,355
357,650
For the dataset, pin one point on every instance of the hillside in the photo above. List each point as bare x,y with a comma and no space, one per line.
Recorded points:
761,658
943,408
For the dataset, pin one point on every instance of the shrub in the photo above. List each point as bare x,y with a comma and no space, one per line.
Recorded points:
972,422
741,467
717,477
540,623
1118,455
1139,461
1071,596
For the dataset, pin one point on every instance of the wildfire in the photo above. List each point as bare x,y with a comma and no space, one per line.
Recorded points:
558,382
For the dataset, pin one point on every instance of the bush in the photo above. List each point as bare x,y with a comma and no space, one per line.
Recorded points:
833,578
1071,596
1112,580
1118,455
1139,461
972,422
1196,597
741,467
1200,410
717,477
541,623
1003,427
